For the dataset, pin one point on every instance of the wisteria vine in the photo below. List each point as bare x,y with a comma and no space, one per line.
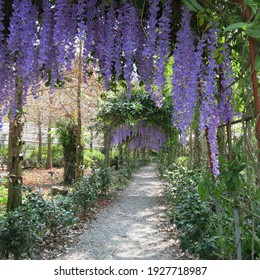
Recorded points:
196,82
185,76
122,45
139,136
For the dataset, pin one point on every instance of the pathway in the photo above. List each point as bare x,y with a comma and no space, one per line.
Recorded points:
131,227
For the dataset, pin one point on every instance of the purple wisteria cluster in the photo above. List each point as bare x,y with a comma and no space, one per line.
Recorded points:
114,36
196,82
185,76
4,89
19,54
139,136
162,52
41,45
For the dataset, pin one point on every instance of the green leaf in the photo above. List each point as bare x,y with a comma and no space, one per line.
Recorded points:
189,6
257,62
238,168
253,30
227,176
253,4
257,195
236,180
201,21
203,191
236,26
196,5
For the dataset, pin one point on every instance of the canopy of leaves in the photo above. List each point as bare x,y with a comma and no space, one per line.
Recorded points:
117,109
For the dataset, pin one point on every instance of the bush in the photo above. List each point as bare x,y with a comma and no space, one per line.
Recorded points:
94,157
3,198
194,218
84,196
20,229
23,228
38,219
31,161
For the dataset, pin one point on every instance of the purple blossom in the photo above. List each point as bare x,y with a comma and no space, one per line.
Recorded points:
119,31
146,65
212,129
109,43
22,44
210,89
48,51
130,41
140,136
3,67
162,51
100,41
81,13
65,32
216,103
185,76
91,14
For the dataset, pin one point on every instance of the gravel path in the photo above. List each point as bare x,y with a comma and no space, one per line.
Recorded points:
131,227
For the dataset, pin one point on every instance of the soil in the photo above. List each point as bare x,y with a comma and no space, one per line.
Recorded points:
41,178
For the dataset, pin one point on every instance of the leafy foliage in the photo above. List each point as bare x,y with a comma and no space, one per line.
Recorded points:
194,218
94,157
3,197
31,161
20,230
192,196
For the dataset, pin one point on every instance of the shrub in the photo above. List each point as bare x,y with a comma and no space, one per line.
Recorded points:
84,196
94,157
194,217
31,161
23,228
3,198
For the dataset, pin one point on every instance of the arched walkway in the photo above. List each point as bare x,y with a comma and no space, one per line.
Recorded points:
131,226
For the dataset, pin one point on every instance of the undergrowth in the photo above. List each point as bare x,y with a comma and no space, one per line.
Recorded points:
23,231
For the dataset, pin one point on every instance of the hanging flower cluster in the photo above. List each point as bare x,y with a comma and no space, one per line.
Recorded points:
162,52
196,80
42,44
5,74
140,136
21,53
185,76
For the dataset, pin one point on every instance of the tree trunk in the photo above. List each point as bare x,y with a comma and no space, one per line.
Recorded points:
107,146
49,140
15,157
69,152
236,203
49,153
120,155
91,139
79,147
39,138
